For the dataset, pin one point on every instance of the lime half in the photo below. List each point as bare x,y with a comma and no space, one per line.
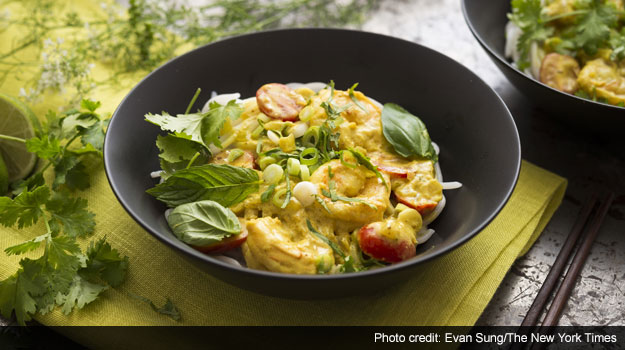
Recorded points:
16,120
4,178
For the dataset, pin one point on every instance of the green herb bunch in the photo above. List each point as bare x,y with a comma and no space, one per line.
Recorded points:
64,274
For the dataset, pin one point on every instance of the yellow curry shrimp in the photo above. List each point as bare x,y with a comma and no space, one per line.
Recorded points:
351,194
603,79
271,245
303,181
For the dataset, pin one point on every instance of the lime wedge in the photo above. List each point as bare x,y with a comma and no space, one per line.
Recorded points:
16,120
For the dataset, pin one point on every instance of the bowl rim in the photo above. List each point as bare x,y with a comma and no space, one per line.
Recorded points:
503,60
393,268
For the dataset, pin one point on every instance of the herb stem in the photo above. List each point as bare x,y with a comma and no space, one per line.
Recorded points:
18,48
197,93
12,138
70,142
197,154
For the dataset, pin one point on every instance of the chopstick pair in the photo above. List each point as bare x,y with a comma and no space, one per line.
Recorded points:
566,287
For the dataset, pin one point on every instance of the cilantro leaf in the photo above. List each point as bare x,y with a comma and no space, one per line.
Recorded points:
15,296
77,121
176,152
203,128
26,246
25,209
104,263
593,27
46,146
187,126
71,214
28,184
215,118
63,253
90,105
527,14
617,42
81,292
168,309
61,168
94,134
77,177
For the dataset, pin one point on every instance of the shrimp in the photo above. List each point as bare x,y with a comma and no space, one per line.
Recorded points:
272,245
560,72
362,125
602,79
360,196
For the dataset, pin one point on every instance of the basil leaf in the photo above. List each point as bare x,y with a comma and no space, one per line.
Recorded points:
222,183
203,223
354,98
325,240
267,194
366,162
406,133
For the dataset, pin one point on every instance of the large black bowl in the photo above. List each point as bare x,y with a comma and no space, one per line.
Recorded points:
487,20
477,135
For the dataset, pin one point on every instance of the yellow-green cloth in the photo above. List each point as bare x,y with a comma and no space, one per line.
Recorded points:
451,290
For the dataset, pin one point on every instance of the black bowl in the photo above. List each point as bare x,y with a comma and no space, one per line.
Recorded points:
477,135
487,20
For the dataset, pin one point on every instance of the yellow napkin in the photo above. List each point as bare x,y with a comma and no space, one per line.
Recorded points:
451,290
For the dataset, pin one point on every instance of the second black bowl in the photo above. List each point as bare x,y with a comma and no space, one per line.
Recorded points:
487,20
477,136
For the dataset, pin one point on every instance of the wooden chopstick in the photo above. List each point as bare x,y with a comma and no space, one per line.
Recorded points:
564,292
551,281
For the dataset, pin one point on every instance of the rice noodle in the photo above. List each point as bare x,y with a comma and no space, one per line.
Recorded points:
428,218
156,174
451,185
424,234
227,260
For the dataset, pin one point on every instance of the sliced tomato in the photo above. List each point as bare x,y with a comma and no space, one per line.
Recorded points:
382,248
225,245
423,206
279,101
394,171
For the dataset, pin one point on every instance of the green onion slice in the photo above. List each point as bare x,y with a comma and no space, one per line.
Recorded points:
309,156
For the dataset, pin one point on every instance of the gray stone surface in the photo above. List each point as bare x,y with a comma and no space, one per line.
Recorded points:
588,162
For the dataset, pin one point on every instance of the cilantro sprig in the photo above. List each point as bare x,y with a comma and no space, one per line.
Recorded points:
527,14
63,275
190,135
